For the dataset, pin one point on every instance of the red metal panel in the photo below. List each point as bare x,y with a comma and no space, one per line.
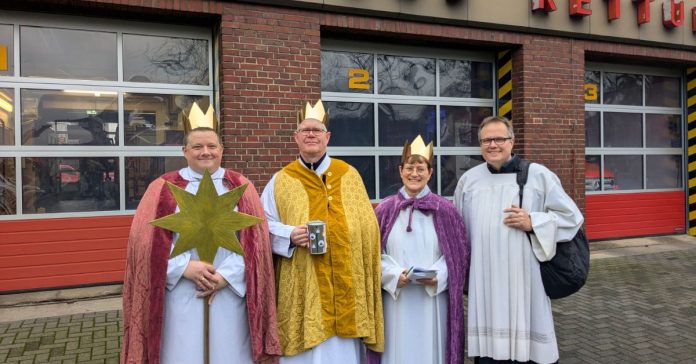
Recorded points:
634,214
50,253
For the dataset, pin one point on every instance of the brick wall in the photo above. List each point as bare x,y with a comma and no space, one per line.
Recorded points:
270,62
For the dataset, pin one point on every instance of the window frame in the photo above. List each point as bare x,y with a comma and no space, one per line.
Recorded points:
120,151
375,98
644,110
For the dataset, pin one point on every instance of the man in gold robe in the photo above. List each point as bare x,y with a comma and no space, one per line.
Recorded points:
329,305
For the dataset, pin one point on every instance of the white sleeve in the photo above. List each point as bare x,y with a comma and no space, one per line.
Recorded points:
232,269
441,267
280,233
176,267
391,271
556,220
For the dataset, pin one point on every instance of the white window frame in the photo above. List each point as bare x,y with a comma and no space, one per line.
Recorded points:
643,110
375,99
16,82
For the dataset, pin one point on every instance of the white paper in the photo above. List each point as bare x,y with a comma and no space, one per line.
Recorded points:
421,273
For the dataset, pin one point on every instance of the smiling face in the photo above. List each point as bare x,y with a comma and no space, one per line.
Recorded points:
312,139
496,155
415,174
203,151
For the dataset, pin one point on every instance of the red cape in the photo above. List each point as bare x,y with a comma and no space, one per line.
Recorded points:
146,274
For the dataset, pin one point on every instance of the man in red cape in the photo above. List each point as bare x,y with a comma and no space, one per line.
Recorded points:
147,303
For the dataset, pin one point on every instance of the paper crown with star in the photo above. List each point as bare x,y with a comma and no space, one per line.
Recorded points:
417,147
316,112
197,119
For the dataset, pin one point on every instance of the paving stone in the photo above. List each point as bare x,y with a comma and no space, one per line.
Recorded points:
637,309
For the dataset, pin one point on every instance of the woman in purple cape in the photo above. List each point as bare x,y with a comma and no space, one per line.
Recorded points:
425,265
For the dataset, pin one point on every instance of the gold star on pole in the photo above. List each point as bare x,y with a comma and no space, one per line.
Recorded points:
206,220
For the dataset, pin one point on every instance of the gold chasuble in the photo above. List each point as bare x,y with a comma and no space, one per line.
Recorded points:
337,293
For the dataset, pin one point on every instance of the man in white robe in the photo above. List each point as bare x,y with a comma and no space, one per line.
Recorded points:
509,313
164,298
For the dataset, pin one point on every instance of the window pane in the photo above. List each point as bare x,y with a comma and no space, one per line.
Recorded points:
627,171
346,72
459,125
6,50
406,75
69,117
64,53
662,91
623,89
592,134
140,171
401,123
623,130
593,175
663,131
7,107
165,60
366,168
8,204
157,119
663,171
390,179
592,87
466,79
70,184
351,124
453,166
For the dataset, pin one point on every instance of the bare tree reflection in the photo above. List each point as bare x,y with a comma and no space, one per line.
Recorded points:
180,60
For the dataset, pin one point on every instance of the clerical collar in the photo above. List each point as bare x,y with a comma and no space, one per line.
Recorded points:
193,176
511,166
315,165
421,194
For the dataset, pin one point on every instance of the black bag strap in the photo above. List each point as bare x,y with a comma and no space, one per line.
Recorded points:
522,175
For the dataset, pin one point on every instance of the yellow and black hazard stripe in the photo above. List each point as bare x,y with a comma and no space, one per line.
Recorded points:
504,66
691,127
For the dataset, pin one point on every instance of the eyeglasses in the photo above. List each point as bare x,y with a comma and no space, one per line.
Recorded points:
419,171
307,131
498,141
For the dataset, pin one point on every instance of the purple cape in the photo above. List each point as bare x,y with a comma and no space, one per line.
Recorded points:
454,244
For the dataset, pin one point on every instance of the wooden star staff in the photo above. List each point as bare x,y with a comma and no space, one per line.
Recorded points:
206,221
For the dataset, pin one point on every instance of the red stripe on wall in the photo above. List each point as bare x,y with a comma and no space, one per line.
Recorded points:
51,253
635,214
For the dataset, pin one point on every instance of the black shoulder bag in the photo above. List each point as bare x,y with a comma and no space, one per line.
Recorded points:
567,271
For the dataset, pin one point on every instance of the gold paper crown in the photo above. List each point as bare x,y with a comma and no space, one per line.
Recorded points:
417,147
317,113
196,118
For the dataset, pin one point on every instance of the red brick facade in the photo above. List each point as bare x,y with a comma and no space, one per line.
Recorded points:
270,62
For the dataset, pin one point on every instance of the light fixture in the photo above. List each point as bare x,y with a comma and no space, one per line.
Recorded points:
88,92
6,105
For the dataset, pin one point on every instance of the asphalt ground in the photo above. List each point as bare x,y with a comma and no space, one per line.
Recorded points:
638,306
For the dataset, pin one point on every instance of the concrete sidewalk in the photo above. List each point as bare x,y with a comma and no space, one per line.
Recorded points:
639,305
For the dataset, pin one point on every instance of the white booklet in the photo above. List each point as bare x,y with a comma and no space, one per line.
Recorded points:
421,273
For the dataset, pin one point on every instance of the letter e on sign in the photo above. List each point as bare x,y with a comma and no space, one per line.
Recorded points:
3,57
591,92
358,79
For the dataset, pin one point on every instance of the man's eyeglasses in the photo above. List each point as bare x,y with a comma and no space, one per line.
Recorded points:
498,141
307,131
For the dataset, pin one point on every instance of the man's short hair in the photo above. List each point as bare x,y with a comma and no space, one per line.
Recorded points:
497,119
201,128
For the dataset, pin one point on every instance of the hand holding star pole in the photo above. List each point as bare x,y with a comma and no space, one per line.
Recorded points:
206,221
